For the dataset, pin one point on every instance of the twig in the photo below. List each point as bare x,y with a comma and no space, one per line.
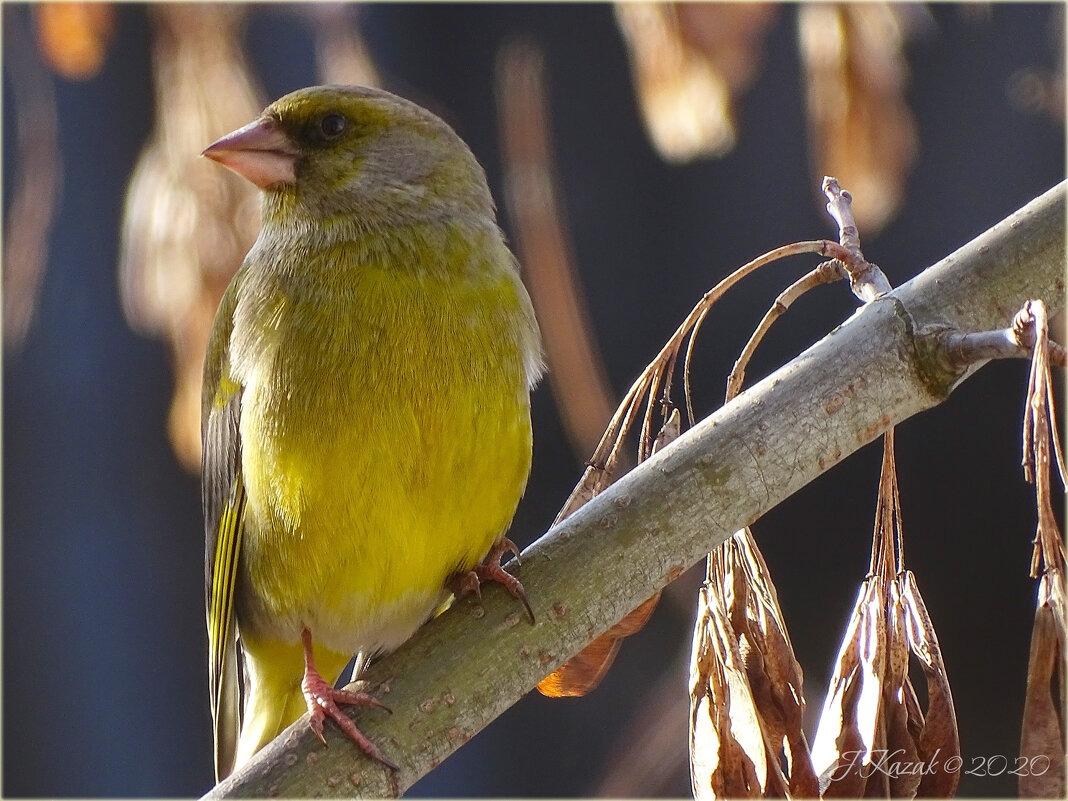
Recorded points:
656,378
1015,342
825,273
1026,329
866,280
697,317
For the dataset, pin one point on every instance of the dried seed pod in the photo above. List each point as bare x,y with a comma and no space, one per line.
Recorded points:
937,740
1042,741
774,674
848,728
727,753
584,671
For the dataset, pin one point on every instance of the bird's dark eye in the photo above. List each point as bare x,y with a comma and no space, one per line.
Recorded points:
332,126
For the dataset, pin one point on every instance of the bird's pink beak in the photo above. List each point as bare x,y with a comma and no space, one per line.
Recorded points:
260,152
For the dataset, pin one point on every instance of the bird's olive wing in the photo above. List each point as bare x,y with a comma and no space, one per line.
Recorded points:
224,511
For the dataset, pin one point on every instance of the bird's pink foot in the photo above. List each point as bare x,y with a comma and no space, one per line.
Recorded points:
323,702
490,569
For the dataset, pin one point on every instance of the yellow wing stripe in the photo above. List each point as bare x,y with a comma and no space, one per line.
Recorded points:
223,581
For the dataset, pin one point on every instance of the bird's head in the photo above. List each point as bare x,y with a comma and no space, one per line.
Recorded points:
348,151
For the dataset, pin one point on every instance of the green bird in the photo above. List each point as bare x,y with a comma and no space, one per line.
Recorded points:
366,412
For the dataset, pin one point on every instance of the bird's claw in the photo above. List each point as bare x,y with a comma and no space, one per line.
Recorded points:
490,569
323,700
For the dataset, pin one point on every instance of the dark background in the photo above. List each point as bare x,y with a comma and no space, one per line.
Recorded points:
104,688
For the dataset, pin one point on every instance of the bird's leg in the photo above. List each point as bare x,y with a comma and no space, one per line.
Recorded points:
323,699
490,569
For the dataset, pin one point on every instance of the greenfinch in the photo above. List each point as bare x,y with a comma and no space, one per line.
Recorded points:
366,406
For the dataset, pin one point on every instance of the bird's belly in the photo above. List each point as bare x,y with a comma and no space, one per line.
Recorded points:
363,501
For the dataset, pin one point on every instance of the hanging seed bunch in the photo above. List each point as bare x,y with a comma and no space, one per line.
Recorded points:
690,63
186,227
1042,741
747,704
873,738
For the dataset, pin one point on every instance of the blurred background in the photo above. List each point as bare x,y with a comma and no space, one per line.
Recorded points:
681,144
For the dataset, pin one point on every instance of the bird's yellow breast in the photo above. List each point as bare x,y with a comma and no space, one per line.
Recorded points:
386,441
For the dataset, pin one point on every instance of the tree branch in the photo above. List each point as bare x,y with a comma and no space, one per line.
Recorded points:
468,665
1014,342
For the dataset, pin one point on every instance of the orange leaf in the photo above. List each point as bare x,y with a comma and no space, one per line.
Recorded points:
584,671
